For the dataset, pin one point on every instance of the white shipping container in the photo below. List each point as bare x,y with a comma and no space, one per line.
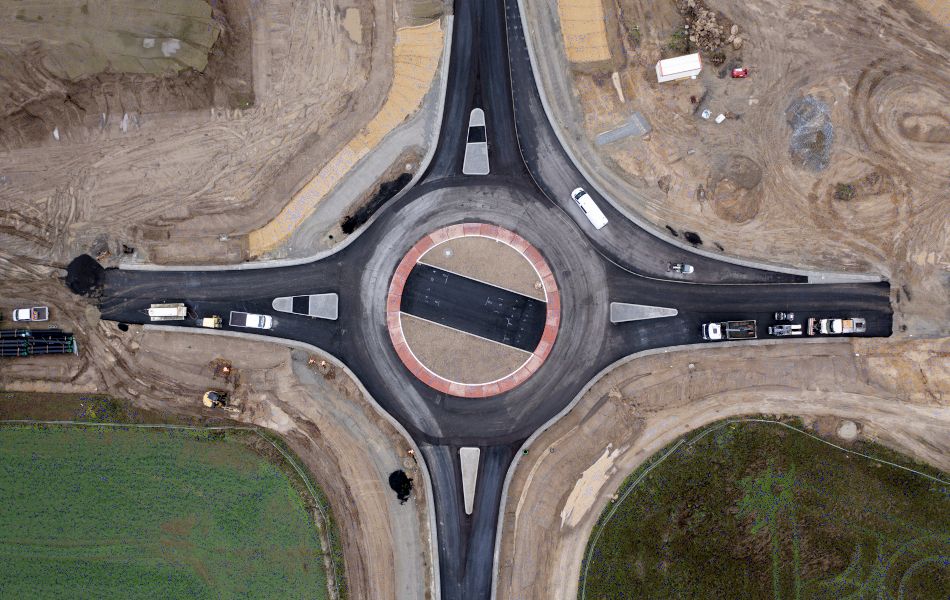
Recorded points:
679,67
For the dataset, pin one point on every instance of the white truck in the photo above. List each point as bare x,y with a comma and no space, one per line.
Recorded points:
169,311
251,320
729,330
836,326
37,313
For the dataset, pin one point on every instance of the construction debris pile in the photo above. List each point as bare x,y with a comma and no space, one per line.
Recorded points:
707,28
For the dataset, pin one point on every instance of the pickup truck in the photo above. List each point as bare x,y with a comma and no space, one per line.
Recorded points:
836,326
729,330
243,319
37,313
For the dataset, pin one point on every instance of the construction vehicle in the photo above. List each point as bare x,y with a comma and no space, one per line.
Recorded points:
37,313
172,311
729,330
836,326
212,322
218,399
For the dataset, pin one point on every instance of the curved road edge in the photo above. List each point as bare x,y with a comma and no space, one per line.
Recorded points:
813,276
420,172
423,467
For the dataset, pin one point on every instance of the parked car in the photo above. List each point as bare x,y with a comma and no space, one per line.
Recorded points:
243,319
783,330
683,268
37,313
593,212
785,316
740,73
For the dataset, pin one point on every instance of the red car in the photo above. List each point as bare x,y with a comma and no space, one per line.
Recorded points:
740,73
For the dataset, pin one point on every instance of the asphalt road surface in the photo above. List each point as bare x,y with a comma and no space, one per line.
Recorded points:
474,307
528,192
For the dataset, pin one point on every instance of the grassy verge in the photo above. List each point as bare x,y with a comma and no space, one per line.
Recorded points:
317,565
756,509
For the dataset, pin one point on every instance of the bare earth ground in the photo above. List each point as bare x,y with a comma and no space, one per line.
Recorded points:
898,393
174,182
487,260
460,356
879,67
317,409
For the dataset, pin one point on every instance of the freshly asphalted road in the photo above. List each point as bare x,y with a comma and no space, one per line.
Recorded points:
527,192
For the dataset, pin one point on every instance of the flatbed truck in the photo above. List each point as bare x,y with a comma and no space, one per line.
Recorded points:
729,330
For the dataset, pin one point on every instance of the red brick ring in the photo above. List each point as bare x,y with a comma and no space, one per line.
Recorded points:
516,377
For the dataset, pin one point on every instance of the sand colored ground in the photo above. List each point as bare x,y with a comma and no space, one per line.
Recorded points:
584,28
185,187
898,393
416,58
879,67
487,260
124,36
319,411
459,356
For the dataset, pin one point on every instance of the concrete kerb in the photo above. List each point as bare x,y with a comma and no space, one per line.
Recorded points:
289,262
577,398
814,276
430,498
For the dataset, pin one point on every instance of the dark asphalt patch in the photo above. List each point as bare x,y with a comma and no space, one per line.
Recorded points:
84,275
474,307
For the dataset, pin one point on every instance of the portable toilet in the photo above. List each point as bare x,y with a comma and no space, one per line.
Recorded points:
679,67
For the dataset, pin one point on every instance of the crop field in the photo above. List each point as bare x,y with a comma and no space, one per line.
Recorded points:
761,510
101,512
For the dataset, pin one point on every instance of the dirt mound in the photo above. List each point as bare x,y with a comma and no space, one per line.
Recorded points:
61,68
812,133
735,189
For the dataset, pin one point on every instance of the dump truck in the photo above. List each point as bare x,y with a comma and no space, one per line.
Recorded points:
171,311
729,330
836,326
212,322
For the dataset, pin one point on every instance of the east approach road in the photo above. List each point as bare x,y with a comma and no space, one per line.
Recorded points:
528,192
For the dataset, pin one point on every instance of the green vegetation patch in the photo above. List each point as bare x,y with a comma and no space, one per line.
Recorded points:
762,510
84,37
105,512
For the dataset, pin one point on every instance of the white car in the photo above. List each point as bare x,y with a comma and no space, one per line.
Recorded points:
476,145
243,319
594,214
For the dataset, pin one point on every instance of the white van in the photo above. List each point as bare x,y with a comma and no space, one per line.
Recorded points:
594,214
243,319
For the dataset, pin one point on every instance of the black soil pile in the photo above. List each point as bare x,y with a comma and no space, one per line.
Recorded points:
401,484
387,191
84,276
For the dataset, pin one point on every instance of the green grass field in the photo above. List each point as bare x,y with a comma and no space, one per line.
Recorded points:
759,510
101,512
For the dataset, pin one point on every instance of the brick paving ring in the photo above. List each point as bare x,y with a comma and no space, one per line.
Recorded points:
394,314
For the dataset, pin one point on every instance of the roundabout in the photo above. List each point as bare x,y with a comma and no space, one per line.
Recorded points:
493,337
